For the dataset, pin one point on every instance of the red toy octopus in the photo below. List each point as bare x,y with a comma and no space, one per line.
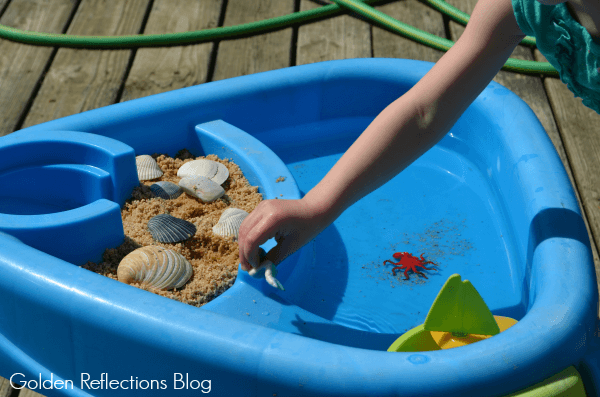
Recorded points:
409,262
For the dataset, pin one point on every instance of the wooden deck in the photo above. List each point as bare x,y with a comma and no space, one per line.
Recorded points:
38,84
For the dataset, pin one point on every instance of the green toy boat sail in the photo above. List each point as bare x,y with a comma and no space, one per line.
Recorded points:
458,316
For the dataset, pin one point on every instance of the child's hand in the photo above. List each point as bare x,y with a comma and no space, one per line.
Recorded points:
293,223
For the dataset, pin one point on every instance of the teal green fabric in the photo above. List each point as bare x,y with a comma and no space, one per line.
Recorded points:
566,44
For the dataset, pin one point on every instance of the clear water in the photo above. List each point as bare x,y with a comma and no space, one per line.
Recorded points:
441,206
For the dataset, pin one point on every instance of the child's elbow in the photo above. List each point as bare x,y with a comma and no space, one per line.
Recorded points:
426,114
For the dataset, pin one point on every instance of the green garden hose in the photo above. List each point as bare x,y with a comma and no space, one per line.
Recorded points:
361,7
433,41
158,40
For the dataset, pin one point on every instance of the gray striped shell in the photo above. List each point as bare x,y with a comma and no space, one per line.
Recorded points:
147,168
212,170
229,223
166,190
168,229
155,267
202,188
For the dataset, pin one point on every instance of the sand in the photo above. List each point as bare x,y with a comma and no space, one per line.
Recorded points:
214,259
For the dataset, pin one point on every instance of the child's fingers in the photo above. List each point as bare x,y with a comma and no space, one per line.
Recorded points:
271,218
265,229
255,230
248,246
247,257
278,253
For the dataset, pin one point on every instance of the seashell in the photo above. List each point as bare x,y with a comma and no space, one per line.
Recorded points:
206,168
267,270
156,267
212,170
202,188
166,190
229,223
168,229
147,168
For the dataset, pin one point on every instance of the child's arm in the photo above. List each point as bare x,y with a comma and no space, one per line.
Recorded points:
401,133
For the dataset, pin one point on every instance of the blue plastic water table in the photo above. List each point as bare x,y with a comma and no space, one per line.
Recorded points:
491,201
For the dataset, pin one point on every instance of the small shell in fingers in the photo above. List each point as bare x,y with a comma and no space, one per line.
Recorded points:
269,272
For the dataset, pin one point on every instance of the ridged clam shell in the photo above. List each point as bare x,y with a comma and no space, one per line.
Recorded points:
168,229
156,267
202,188
147,168
229,223
212,170
166,190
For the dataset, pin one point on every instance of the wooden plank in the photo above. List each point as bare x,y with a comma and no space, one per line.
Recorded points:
158,70
257,53
575,128
80,80
5,389
29,393
3,3
412,12
21,66
341,37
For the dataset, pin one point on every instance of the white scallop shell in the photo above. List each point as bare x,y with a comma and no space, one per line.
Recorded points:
147,168
202,188
229,223
212,170
156,267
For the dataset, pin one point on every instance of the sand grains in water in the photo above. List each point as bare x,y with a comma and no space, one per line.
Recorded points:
214,258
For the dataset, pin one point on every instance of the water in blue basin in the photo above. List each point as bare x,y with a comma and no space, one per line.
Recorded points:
441,206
